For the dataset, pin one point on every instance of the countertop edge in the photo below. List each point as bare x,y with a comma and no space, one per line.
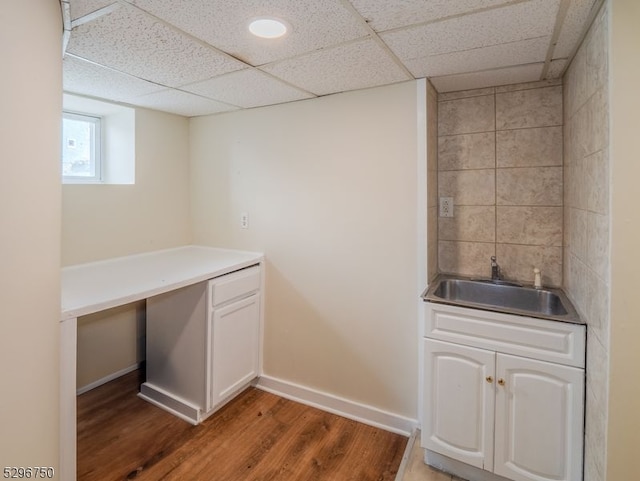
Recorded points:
89,304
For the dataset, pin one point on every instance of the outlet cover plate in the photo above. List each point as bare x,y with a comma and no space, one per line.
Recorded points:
446,206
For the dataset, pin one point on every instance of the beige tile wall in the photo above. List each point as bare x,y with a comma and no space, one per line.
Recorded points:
586,219
500,157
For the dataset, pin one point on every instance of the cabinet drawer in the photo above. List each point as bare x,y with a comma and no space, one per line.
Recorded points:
552,341
235,284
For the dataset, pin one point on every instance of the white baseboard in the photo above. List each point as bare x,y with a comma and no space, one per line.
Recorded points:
170,403
106,379
337,405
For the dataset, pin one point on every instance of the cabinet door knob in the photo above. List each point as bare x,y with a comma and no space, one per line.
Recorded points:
489,379
501,382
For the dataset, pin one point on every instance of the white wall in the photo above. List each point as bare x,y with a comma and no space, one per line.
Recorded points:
102,221
330,187
624,387
30,95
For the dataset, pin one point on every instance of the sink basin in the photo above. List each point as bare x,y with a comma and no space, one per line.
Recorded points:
503,297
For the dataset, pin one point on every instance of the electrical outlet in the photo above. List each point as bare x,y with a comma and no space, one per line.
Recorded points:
446,206
244,220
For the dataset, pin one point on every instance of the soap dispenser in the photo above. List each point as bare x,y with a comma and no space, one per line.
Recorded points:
537,278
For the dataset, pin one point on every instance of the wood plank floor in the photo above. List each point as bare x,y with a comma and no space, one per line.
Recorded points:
257,436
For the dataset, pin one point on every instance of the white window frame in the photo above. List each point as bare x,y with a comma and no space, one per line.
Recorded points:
96,149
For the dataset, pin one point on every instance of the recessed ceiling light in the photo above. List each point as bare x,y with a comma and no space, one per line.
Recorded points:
268,27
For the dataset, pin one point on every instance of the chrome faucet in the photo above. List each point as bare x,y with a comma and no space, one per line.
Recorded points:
495,269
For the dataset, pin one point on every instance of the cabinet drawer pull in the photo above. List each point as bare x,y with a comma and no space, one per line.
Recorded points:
501,382
489,379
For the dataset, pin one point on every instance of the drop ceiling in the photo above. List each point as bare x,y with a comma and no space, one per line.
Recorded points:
197,57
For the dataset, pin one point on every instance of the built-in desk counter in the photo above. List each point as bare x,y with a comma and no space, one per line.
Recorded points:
96,286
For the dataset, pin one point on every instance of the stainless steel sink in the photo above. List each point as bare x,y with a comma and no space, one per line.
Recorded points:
502,297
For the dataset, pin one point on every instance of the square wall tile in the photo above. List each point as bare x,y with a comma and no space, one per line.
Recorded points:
466,258
529,108
597,308
529,186
596,182
518,261
596,58
598,244
470,223
432,188
597,370
468,187
577,95
468,115
540,226
529,147
575,284
595,458
597,133
467,151
577,226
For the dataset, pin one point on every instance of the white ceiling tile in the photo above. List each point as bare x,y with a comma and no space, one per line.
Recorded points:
314,25
573,27
81,8
79,76
385,14
182,103
356,65
501,25
495,56
247,88
149,45
488,78
131,41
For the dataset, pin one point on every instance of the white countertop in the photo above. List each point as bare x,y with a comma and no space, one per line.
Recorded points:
96,286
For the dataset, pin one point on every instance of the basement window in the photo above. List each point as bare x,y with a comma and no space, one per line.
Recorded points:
81,148
98,142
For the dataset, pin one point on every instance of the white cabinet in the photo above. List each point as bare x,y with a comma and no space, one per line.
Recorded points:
458,402
203,344
488,403
233,335
539,420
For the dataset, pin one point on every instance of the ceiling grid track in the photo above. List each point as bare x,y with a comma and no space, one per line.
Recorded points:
560,16
374,35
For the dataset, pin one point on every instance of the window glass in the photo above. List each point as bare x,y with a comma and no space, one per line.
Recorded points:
81,148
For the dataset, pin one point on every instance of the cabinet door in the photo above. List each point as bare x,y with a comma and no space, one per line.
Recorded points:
458,411
539,420
234,348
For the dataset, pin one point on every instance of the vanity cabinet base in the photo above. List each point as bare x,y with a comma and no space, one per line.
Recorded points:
458,468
